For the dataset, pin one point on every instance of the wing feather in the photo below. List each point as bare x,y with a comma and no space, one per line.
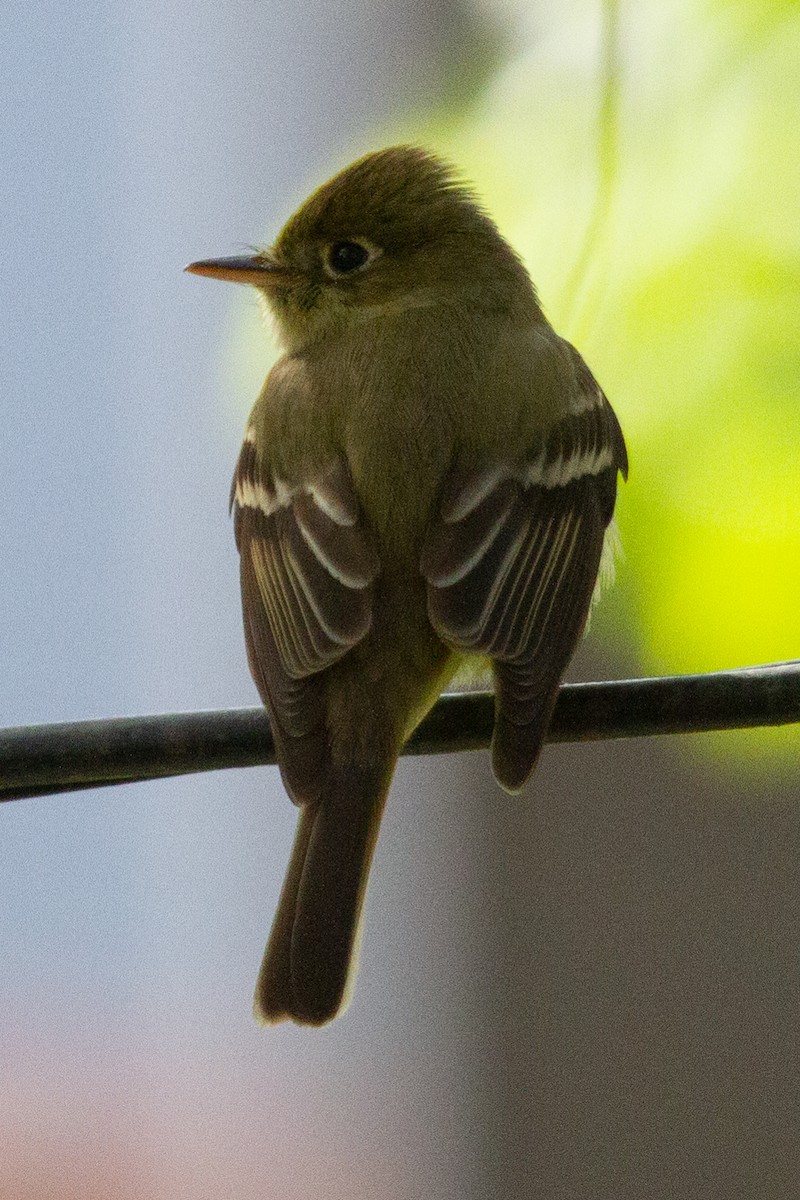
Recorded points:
308,565
511,562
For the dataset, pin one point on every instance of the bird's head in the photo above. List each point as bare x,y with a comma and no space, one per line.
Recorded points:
394,231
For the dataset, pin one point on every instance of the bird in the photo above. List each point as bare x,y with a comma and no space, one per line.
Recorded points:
427,481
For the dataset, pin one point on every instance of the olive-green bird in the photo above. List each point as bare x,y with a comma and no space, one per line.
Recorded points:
428,475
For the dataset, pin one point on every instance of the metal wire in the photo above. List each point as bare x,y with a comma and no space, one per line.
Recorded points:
44,759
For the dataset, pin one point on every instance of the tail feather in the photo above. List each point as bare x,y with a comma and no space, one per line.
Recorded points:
311,953
274,992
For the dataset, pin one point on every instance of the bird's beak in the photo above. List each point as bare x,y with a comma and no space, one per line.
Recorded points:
259,270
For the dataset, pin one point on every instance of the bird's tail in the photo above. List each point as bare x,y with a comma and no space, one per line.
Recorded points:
310,959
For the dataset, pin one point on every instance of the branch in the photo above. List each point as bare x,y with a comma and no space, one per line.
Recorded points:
42,759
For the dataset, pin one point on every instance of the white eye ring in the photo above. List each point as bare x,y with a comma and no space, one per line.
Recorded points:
348,257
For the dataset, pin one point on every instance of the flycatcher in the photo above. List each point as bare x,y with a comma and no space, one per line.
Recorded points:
428,475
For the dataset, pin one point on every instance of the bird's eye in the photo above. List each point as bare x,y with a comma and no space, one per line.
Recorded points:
346,257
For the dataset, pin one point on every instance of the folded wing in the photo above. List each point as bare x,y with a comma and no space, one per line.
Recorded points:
307,571
512,560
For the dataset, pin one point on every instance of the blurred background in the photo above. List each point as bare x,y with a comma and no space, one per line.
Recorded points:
591,991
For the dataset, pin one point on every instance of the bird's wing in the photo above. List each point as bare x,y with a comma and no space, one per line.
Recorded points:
511,563
307,569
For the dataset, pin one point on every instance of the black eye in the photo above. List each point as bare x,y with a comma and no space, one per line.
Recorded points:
344,257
